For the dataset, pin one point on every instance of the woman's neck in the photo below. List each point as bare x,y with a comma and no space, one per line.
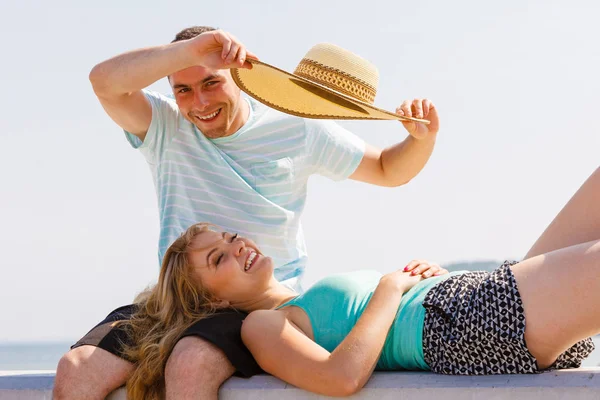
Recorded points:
274,296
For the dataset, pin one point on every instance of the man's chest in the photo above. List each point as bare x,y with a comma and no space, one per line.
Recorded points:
247,170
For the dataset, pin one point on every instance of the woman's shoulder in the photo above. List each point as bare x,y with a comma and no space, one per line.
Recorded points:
262,315
267,327
260,321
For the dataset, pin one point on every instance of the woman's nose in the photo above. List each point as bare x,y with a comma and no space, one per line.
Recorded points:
238,247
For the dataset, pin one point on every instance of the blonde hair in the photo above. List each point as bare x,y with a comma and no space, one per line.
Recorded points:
164,312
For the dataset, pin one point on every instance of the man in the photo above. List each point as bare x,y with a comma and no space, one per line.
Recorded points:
218,157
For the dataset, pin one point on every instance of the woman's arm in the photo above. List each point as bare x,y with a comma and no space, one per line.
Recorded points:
284,351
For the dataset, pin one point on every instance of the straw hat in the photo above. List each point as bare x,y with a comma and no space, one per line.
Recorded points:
328,83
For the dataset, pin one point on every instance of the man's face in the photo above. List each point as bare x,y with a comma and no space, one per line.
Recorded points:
210,100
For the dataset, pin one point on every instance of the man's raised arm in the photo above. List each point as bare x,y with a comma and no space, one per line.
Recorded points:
398,164
118,81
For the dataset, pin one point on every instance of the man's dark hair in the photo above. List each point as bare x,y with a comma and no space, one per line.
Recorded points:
192,32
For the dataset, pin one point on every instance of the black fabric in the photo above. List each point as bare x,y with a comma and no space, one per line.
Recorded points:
223,329
107,335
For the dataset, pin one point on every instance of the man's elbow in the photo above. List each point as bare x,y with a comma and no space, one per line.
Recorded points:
96,76
99,80
391,178
401,182
389,181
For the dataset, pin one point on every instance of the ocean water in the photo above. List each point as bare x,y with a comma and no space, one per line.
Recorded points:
45,356
32,356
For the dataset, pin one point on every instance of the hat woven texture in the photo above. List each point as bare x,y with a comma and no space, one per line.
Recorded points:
328,83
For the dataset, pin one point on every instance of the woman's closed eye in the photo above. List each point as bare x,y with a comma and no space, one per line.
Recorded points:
233,237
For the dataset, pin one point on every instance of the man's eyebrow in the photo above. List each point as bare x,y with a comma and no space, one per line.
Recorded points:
183,85
213,250
210,78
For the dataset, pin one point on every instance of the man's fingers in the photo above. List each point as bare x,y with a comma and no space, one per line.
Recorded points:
417,106
241,57
233,53
247,56
231,47
224,40
405,109
251,55
226,43
426,107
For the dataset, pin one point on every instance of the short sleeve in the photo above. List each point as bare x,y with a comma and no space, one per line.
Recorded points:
164,124
223,329
333,151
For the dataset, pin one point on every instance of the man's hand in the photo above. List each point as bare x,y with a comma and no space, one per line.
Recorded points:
419,108
424,268
220,50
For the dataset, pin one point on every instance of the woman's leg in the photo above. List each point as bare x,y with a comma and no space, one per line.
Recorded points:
561,298
577,222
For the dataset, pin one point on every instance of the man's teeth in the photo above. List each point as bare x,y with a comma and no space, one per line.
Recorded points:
209,116
249,261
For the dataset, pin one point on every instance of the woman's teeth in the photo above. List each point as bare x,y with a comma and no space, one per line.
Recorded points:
249,261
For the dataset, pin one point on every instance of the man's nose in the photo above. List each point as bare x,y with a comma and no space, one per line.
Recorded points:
200,101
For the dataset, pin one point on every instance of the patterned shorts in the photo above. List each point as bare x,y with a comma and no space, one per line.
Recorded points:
475,325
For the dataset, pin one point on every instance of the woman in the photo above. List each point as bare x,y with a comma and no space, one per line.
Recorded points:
524,317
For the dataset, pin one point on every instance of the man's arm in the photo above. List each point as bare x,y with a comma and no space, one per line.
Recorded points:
398,164
118,82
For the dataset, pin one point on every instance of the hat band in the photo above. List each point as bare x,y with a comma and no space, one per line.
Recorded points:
336,80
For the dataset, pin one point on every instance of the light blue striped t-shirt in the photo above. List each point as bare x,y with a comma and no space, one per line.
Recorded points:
252,182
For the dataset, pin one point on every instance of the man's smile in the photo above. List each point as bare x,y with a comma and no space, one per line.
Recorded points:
208,117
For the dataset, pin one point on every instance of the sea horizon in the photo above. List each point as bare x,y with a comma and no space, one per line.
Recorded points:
44,355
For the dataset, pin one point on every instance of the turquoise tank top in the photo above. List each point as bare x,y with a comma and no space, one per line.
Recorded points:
335,304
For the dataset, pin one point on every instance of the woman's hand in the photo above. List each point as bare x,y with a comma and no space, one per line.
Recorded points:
424,268
400,281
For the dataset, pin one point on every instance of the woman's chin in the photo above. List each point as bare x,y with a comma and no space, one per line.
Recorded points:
268,264
265,271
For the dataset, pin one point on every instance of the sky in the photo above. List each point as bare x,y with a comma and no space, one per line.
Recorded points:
515,83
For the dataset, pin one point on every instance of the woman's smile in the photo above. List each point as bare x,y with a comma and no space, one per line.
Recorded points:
251,260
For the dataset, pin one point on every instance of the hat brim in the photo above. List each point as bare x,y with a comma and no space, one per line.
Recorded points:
299,96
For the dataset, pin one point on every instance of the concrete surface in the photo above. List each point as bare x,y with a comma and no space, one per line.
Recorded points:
582,383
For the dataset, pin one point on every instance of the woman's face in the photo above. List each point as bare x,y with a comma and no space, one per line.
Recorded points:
230,267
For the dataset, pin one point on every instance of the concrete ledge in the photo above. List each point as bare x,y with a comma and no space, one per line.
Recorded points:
582,383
